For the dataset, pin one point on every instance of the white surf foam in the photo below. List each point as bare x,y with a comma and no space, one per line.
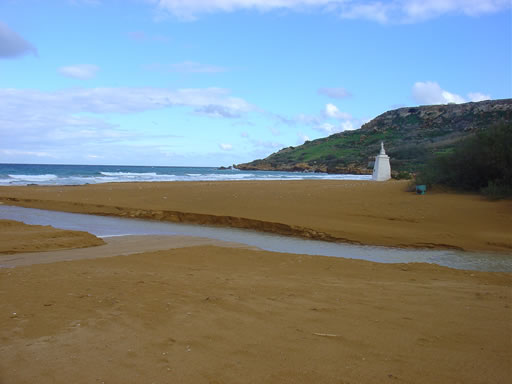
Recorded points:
34,178
129,174
120,177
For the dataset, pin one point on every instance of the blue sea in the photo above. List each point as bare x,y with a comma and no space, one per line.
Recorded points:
52,174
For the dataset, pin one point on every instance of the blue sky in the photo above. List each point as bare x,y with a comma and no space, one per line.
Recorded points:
217,82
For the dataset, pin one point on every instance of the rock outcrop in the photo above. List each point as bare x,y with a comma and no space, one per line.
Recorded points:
411,135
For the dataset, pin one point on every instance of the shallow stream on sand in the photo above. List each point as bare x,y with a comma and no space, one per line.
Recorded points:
103,226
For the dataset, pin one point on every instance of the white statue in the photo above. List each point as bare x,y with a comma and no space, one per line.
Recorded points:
381,168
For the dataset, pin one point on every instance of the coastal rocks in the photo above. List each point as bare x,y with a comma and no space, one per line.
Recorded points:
412,135
298,167
350,170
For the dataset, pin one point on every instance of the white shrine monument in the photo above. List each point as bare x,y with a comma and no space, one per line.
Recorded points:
381,168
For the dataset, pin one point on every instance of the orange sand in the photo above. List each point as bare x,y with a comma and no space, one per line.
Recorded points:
226,315
354,211
210,312
16,237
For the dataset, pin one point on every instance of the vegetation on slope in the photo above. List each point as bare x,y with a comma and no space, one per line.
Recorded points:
482,162
411,137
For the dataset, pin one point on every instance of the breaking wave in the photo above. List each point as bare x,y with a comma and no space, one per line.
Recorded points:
21,174
33,178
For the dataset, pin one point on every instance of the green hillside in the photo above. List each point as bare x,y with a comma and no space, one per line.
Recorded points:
411,136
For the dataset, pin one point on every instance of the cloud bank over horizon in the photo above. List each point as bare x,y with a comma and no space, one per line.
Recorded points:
82,114
164,81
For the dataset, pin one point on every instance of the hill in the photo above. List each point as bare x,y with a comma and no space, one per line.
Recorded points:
411,136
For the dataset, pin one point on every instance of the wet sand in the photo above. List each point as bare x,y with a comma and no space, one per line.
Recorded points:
210,314
353,211
201,311
111,246
16,237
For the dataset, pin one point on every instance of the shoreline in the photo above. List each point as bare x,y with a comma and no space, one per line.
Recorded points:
71,175
184,218
111,247
17,237
354,212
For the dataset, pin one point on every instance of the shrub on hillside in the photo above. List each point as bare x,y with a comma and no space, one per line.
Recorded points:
402,175
482,163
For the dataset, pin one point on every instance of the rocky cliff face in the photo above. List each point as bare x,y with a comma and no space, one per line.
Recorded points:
444,118
410,135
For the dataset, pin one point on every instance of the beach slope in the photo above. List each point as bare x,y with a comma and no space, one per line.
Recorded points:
16,237
360,212
210,314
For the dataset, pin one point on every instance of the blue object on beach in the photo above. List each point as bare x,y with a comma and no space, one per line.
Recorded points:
421,189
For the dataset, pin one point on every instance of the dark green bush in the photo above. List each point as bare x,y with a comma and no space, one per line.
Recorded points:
496,191
402,175
408,152
482,163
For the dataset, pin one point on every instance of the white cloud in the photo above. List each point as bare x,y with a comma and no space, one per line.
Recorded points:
374,10
13,152
75,133
304,119
189,9
329,121
348,126
217,111
79,71
282,119
34,121
302,138
430,92
412,11
477,96
330,129
332,111
114,100
225,147
12,44
425,9
266,144
335,93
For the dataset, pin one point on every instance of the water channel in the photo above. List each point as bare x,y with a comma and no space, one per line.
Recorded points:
103,226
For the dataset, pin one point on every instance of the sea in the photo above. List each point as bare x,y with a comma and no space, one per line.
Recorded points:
56,174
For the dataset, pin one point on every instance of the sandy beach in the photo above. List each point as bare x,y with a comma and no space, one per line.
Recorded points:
188,310
209,314
352,211
224,192
16,237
